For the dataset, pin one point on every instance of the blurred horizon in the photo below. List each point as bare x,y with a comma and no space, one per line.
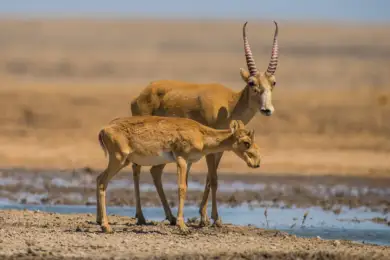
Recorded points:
358,11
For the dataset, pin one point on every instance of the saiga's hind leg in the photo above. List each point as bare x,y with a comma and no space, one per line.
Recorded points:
213,161
157,172
139,214
182,190
114,166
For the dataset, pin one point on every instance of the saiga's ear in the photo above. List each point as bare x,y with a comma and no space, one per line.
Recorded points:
244,74
234,126
252,135
240,124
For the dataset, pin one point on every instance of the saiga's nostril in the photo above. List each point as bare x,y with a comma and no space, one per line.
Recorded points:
266,111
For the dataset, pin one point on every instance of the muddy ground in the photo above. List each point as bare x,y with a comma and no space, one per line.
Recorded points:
78,187
39,235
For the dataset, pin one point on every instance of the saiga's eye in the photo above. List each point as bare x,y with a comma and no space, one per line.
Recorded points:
247,145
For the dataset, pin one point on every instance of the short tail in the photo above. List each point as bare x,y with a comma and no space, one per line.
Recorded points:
101,142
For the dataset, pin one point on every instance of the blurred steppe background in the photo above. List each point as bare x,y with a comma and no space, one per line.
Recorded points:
68,67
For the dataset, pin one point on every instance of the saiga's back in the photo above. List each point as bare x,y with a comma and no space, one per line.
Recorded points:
207,104
152,134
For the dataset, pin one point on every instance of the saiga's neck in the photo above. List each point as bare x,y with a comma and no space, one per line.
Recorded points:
242,107
215,141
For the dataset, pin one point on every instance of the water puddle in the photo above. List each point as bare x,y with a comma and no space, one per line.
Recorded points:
42,188
83,181
350,224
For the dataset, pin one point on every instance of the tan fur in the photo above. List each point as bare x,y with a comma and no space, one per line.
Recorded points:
213,105
154,140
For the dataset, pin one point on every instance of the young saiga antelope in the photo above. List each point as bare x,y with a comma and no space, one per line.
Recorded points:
153,140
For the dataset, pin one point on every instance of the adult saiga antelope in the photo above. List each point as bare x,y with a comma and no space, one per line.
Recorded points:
154,140
213,105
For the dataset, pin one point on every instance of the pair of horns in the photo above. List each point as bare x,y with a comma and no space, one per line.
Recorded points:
250,61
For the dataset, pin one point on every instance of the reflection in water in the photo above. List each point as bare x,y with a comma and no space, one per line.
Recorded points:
351,224
79,188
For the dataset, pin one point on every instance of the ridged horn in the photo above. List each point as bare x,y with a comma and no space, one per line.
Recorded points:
248,54
273,63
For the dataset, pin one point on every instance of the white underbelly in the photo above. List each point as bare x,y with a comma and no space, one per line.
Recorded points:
150,160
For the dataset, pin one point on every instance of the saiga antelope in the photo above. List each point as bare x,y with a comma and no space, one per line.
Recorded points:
213,105
153,140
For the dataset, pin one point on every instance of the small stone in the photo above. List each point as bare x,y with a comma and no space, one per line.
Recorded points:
31,252
336,243
318,237
78,229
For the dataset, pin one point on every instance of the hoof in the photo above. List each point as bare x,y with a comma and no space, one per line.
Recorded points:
182,226
204,222
217,223
172,221
107,229
184,229
141,221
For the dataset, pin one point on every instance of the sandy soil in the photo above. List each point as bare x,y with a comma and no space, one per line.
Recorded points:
38,235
